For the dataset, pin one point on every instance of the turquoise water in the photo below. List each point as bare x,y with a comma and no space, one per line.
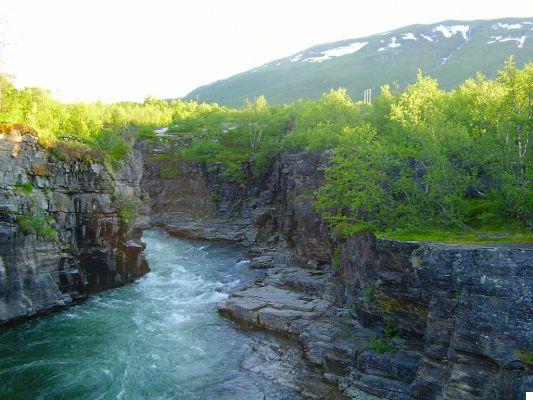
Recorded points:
158,338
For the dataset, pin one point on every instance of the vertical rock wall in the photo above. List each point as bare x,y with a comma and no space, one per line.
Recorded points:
91,249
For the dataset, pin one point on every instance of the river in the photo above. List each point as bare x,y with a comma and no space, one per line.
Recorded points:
158,338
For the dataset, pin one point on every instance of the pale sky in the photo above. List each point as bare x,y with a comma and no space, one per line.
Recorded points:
115,50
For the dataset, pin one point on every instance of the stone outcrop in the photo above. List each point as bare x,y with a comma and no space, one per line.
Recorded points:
84,246
405,320
383,319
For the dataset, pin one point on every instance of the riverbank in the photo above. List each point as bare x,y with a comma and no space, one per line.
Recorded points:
160,337
381,318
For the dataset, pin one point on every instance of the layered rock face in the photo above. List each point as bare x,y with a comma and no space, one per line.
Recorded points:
61,236
384,319
271,211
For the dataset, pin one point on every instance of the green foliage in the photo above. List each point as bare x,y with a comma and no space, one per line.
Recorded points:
526,356
421,161
129,210
381,346
84,131
390,330
369,292
25,188
231,137
38,224
429,159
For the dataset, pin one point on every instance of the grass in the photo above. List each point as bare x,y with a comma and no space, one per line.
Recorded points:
381,346
25,188
40,225
464,236
526,356
129,210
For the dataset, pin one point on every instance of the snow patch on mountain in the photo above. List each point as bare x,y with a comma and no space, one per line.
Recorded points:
428,38
449,31
297,57
499,39
499,25
337,52
409,36
393,44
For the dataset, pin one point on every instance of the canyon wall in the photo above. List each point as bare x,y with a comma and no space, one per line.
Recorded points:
383,318
61,235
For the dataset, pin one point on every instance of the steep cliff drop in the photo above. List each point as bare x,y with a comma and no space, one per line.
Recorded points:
61,232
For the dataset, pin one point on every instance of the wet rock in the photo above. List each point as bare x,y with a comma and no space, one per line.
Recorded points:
261,262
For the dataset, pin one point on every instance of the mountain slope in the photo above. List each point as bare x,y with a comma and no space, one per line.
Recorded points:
450,51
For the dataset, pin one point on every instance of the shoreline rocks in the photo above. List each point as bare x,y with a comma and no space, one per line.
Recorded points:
383,319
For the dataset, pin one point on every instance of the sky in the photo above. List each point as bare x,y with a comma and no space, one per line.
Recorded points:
112,50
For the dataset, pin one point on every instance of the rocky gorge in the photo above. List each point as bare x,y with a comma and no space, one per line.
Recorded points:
380,319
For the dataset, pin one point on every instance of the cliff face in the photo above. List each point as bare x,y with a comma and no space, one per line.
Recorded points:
271,211
61,236
468,306
384,319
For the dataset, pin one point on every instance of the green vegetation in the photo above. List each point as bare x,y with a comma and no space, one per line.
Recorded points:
381,346
526,356
451,60
429,160
38,224
369,292
422,163
390,330
336,258
85,131
384,345
25,188
129,209
419,164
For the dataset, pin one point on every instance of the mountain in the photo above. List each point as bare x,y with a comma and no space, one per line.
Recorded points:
450,51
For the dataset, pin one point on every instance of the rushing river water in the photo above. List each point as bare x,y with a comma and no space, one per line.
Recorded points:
159,338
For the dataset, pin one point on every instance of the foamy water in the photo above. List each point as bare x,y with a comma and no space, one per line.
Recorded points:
159,338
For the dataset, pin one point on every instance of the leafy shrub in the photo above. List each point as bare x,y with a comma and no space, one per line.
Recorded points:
38,224
390,330
381,346
525,356
426,158
129,210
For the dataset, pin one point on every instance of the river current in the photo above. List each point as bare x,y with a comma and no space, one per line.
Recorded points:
158,338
